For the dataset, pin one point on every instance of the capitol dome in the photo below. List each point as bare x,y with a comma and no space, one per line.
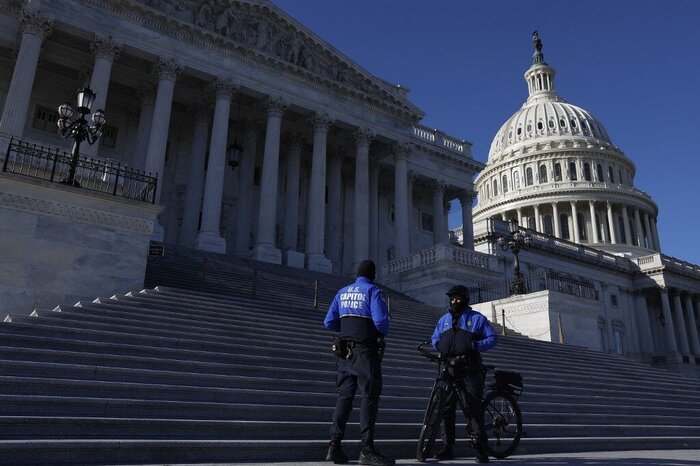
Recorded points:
552,167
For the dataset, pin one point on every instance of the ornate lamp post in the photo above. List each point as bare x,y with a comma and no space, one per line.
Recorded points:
79,129
233,155
517,241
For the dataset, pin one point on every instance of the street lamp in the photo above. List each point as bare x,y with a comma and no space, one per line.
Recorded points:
516,241
233,155
79,129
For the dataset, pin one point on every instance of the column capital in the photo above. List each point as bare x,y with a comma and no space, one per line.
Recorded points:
275,106
33,21
105,47
400,150
363,136
146,93
167,68
573,203
466,196
223,88
439,187
321,122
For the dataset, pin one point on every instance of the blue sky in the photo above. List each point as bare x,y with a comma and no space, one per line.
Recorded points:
634,64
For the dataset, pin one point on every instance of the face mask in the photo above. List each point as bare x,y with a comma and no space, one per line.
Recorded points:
457,306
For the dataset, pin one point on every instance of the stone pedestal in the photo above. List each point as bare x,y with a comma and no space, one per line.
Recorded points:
267,253
210,241
319,263
294,259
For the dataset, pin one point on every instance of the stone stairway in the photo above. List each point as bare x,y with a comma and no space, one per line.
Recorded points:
182,375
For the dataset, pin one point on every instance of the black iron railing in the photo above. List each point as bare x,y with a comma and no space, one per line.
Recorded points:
552,281
105,176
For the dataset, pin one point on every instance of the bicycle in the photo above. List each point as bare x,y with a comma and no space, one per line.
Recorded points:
502,417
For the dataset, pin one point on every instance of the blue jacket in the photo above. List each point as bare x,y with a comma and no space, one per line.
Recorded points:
472,332
359,312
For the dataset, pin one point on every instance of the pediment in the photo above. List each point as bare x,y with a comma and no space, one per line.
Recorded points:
260,27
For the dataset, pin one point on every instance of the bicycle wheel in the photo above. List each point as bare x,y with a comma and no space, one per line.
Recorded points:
431,423
504,424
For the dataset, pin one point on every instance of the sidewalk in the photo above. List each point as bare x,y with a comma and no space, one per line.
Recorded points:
604,458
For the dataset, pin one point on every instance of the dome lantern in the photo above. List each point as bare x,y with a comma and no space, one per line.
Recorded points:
540,76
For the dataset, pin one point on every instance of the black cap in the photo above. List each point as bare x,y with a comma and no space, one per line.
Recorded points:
367,269
458,290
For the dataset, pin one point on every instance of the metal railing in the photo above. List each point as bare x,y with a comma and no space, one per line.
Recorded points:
35,161
551,281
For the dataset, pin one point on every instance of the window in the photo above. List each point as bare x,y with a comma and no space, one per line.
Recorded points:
540,125
488,190
548,227
516,180
528,176
581,227
504,184
564,223
520,131
599,171
586,172
613,299
543,174
557,172
551,123
109,137
619,349
495,187
45,119
623,235
426,222
562,123
531,224
572,171
601,333
611,174
529,127
573,123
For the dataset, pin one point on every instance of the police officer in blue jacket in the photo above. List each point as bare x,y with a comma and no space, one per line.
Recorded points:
359,313
463,331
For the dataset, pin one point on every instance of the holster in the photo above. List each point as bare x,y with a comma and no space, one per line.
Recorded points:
341,347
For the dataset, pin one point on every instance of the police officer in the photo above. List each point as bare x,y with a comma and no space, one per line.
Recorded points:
360,314
463,331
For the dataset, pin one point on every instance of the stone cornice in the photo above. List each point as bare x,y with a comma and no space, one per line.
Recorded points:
288,50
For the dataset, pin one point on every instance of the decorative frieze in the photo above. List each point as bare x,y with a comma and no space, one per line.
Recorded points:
73,213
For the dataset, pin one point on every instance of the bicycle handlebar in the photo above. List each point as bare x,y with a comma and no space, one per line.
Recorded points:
442,358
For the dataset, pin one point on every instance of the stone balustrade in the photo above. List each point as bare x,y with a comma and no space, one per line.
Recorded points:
657,261
440,139
441,252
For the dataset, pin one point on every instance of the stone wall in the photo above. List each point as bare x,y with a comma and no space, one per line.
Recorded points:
60,244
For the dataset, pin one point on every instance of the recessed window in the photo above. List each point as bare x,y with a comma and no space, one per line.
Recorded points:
426,222
557,172
505,184
551,123
562,123
564,223
495,187
516,180
520,131
586,172
573,123
611,174
572,171
540,125
543,174
599,171
613,299
45,119
529,127
109,137
528,176
581,226
548,227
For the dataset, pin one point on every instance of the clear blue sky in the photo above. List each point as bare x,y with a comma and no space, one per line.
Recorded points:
634,64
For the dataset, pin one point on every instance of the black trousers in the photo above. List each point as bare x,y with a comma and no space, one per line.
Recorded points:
473,385
363,371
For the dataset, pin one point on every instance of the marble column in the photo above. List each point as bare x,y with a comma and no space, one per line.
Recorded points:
628,230
692,328
672,354
439,234
290,231
195,178
520,217
316,212
594,224
35,27
375,167
209,237
638,226
680,325
264,249
147,95
401,225
363,138
538,224
612,224
555,220
106,50
574,220
649,242
410,180
655,236
246,174
642,317
167,71
466,199
335,208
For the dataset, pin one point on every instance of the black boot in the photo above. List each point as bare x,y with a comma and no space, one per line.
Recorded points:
370,456
481,457
447,453
335,453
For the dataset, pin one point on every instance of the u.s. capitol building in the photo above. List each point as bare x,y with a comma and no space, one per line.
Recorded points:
266,142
